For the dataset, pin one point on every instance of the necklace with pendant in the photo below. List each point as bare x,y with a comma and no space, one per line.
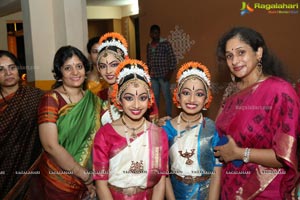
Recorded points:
136,167
133,134
69,95
187,154
189,122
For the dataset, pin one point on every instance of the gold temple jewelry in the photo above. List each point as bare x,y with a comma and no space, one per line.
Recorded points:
132,129
189,122
109,111
187,154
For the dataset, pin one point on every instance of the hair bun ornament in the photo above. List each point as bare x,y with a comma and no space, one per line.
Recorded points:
113,39
195,69
125,69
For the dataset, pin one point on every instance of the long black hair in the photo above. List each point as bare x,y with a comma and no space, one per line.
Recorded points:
64,53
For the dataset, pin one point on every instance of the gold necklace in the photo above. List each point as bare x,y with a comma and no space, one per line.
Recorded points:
189,122
133,134
187,154
109,111
69,95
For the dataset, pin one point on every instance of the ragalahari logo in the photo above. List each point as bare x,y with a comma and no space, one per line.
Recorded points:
246,8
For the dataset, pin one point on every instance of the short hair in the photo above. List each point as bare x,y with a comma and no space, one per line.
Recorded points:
91,42
154,27
63,54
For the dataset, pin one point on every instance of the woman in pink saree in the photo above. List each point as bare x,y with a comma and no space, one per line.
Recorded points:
130,154
260,118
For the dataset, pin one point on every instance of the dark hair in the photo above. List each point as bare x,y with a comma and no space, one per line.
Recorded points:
271,64
63,54
91,42
154,27
13,58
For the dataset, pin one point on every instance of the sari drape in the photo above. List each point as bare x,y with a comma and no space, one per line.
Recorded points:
19,140
264,116
77,125
108,144
206,140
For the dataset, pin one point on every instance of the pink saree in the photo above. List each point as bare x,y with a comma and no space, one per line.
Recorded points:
264,116
108,144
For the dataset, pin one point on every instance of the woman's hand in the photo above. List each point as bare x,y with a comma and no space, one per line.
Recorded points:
92,190
229,151
162,121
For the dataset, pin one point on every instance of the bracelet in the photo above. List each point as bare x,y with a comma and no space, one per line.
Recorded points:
246,155
89,180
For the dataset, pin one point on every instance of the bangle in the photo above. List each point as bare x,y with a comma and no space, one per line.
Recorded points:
246,155
89,180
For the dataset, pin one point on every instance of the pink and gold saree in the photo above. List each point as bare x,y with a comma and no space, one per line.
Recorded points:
264,116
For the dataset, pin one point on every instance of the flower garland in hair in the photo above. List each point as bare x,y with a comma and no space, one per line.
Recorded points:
117,40
126,68
195,69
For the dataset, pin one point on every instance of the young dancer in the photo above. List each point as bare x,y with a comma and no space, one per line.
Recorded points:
130,154
113,50
194,171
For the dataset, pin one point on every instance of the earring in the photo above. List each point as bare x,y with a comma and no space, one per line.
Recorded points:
259,66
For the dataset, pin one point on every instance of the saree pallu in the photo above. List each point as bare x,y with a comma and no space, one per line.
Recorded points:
110,146
203,160
19,139
77,125
264,116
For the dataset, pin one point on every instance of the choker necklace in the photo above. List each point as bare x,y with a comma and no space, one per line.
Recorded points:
133,134
69,95
3,97
189,122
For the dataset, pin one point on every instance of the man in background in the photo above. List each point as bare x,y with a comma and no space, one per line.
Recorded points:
161,61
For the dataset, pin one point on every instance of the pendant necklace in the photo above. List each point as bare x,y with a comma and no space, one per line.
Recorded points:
136,167
187,154
69,95
189,122
133,134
